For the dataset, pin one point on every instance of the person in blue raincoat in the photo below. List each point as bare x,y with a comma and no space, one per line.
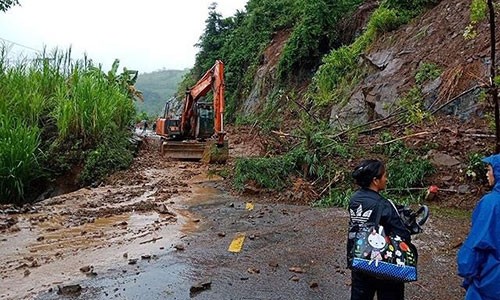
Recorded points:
479,257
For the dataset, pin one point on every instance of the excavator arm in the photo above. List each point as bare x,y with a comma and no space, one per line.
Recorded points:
212,80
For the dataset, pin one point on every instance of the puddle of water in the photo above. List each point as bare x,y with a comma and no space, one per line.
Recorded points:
63,252
205,195
201,195
162,279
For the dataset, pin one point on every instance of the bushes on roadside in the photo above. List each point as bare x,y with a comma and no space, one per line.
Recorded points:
112,155
267,172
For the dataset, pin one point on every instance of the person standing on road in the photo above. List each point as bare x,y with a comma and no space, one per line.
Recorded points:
365,204
478,259
145,126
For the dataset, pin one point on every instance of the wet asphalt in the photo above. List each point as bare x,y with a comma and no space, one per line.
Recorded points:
288,253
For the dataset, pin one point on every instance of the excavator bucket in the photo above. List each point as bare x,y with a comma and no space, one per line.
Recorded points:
207,152
183,150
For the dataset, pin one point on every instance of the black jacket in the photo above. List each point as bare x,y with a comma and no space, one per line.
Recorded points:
364,206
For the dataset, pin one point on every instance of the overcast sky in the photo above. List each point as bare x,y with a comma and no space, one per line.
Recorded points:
145,35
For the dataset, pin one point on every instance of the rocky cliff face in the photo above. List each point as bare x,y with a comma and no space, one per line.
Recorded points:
265,78
436,37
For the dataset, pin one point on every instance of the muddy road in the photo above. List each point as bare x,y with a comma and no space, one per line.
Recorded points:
168,230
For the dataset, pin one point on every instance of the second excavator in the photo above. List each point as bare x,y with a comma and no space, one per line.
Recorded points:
199,132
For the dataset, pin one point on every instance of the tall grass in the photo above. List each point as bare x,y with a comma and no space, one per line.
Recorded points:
22,95
18,158
88,107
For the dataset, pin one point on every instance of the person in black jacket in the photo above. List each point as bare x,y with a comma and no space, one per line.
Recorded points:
365,204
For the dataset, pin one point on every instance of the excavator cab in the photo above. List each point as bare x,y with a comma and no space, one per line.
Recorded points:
205,123
173,128
168,127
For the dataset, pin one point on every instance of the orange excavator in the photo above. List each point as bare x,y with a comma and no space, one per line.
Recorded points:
199,132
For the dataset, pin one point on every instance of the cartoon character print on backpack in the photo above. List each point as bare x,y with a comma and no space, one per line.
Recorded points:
403,254
378,244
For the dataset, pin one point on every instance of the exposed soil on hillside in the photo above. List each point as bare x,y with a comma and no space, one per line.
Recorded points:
438,37
457,129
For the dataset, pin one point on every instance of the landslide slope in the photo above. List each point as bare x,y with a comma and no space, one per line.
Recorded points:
460,124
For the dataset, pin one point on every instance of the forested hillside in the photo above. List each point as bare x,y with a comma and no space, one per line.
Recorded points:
157,87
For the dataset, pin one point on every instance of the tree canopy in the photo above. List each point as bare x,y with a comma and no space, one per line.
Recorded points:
6,4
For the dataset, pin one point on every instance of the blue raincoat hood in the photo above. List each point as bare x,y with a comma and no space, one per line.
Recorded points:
478,259
494,161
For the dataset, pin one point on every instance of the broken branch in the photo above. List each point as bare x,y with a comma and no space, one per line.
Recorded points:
403,137
286,134
151,240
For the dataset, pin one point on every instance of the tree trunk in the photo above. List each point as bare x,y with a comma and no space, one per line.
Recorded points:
494,88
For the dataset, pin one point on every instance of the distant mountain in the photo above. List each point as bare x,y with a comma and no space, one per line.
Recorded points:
157,87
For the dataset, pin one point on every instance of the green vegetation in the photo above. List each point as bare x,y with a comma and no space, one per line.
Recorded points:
427,72
312,158
476,168
478,12
409,171
91,108
109,156
336,197
405,166
412,6
340,66
19,157
413,103
223,172
315,32
56,114
270,173
450,212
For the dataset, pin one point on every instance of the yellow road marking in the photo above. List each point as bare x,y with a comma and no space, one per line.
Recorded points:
237,243
249,206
